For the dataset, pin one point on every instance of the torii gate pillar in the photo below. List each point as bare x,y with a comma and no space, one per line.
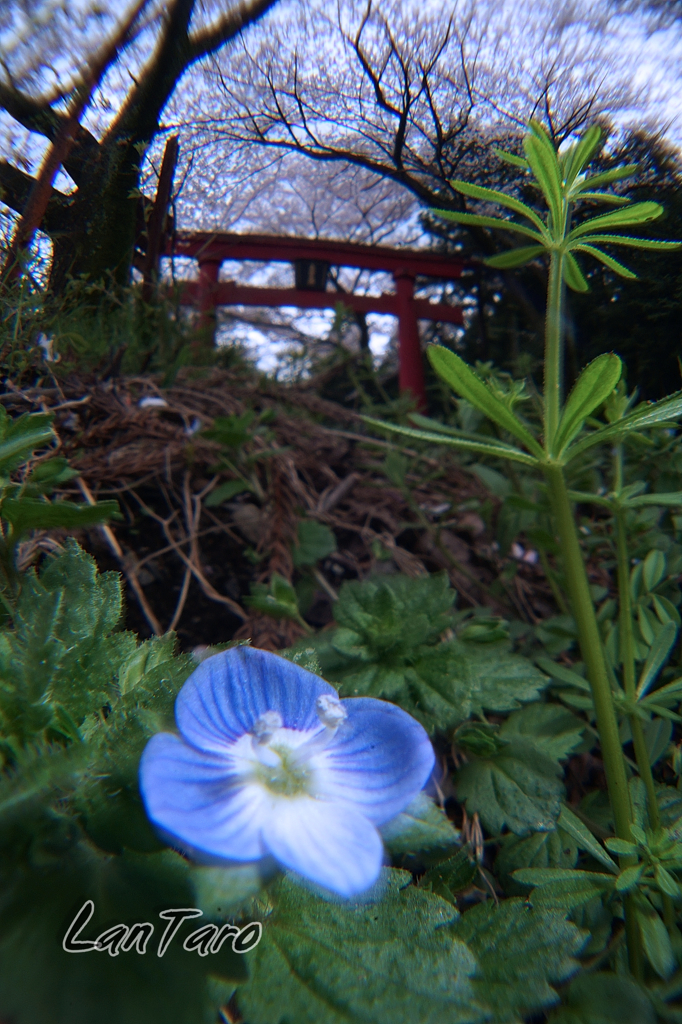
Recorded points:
411,360
209,271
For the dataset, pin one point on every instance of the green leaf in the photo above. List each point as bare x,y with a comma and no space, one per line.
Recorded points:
278,601
221,892
21,436
450,877
608,198
493,196
520,786
637,213
592,387
421,826
476,221
581,835
511,158
580,154
563,674
377,963
461,378
671,498
648,414
656,942
654,569
573,275
658,654
315,541
607,177
226,492
633,243
35,514
629,877
608,261
40,983
496,449
520,951
540,849
542,158
604,998
564,888
388,646
515,257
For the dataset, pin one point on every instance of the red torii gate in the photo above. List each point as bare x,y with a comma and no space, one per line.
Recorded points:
311,259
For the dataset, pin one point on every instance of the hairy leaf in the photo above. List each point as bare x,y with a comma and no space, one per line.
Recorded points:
515,257
329,963
519,786
421,826
604,998
469,385
592,387
520,950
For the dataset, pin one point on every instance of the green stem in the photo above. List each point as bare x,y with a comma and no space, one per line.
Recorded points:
553,349
582,607
627,655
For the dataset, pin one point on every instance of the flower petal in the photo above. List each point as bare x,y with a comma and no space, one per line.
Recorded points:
377,762
228,693
336,847
199,804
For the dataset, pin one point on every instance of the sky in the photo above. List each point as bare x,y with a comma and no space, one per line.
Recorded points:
652,63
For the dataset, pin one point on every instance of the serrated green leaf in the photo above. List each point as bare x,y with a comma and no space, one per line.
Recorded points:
461,378
520,952
573,275
637,213
608,261
388,646
604,998
451,876
593,386
421,826
541,849
515,257
36,514
492,195
476,221
520,786
21,436
377,963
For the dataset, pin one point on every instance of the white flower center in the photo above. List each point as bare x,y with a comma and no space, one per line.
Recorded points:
280,758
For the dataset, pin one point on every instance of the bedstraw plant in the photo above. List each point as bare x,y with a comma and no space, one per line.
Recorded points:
569,429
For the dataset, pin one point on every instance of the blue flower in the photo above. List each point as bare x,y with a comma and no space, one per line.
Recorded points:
271,764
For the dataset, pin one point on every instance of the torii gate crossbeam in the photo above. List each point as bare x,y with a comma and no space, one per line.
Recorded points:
210,249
